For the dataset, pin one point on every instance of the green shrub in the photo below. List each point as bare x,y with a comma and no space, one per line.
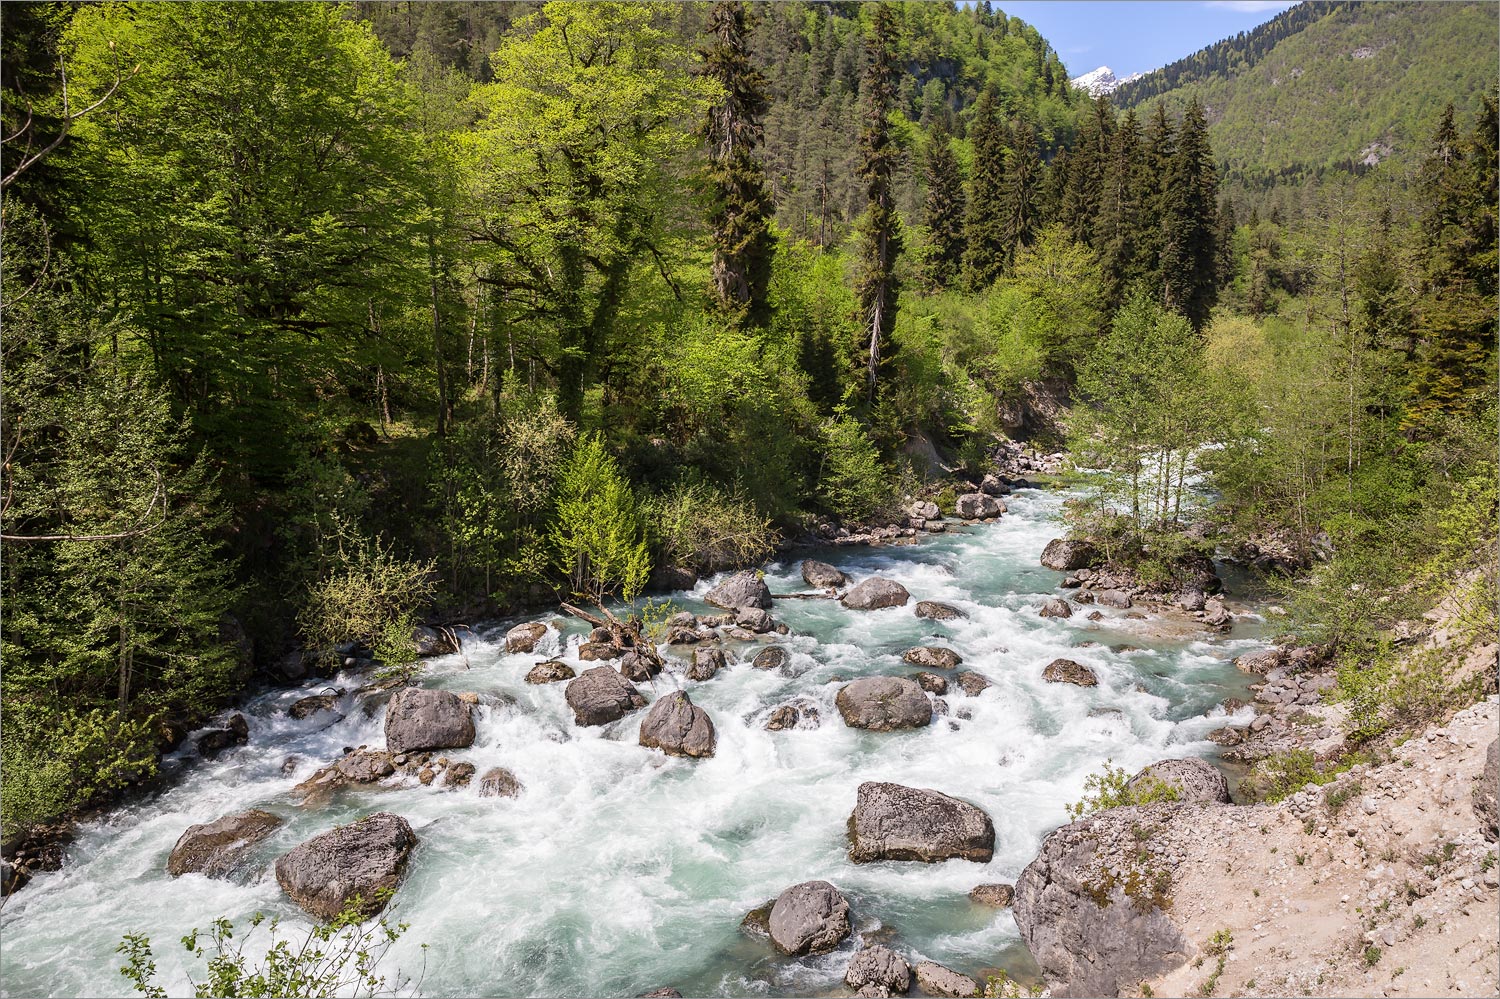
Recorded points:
599,537
338,958
55,761
701,528
855,483
1110,789
370,596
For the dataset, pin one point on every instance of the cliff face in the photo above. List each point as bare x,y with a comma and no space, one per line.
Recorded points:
1381,883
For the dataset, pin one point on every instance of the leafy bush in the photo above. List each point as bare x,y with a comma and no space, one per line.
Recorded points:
371,597
599,537
855,483
55,761
338,958
1278,777
1110,788
701,528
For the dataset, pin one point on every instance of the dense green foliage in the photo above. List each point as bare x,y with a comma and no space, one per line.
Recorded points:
320,322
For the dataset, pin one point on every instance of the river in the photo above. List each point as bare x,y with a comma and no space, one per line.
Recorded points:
620,870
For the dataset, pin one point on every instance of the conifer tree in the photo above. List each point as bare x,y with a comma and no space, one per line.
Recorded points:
1121,211
1156,166
1086,170
984,224
944,208
740,217
1189,261
880,234
1023,177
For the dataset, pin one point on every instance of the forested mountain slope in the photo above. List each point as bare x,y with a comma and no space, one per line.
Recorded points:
1340,88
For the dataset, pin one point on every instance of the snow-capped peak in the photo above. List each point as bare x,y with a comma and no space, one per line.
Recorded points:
1102,81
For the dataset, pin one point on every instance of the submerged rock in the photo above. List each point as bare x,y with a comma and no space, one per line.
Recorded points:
1066,556
427,719
216,848
822,575
499,782
878,971
809,918
933,657
1067,671
306,707
1193,779
525,637
996,896
883,703
600,695
236,732
936,980
364,859
678,727
773,657
743,589
875,593
973,684
895,822
934,610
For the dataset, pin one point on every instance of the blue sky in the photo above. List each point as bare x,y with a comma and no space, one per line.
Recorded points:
1132,36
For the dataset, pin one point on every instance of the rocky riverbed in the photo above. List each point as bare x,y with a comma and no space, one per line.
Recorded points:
564,810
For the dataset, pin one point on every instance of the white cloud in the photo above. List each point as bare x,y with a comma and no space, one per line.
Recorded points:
1249,6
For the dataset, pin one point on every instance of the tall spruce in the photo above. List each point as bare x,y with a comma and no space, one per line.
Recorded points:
1023,178
880,234
1117,231
984,224
1087,167
741,208
1156,165
1190,209
944,210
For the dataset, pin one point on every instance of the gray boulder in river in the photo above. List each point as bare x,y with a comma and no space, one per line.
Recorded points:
1085,909
810,918
550,671
895,822
936,980
875,593
678,727
215,848
877,970
1068,671
1065,556
364,859
427,719
600,695
972,506
1194,780
821,574
525,637
707,662
1056,607
937,611
933,657
743,589
883,703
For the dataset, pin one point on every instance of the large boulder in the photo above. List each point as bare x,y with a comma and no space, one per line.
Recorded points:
1194,780
975,506
707,662
771,657
550,671
678,727
936,980
972,683
996,896
821,574
743,589
216,848
1067,671
875,593
933,657
1091,906
600,695
428,719
525,637
883,703
895,822
499,782
878,971
1118,599
1487,794
935,610
363,860
1065,556
810,918
432,641
1055,607
755,620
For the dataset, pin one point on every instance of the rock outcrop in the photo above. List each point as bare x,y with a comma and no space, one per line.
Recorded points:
419,719
895,822
743,589
678,727
883,703
936,980
875,593
600,695
363,860
810,918
1486,802
1192,779
216,848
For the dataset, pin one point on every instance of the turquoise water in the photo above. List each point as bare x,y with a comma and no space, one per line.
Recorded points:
620,870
